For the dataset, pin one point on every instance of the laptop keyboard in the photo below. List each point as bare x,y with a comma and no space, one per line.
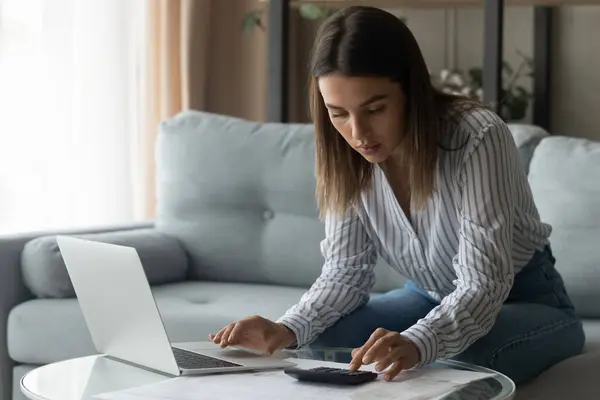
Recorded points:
190,360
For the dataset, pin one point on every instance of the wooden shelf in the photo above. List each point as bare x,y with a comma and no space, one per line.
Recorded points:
439,3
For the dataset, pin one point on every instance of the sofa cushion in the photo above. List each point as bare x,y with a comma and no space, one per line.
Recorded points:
41,331
573,378
45,274
240,196
592,336
527,137
564,175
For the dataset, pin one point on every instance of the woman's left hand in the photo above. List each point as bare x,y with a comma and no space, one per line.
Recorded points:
386,348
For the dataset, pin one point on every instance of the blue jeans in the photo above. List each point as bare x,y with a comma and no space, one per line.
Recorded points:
535,329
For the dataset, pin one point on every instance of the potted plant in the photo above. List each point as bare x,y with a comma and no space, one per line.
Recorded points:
515,97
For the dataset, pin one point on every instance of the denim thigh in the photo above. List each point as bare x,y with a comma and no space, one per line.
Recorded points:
535,328
395,310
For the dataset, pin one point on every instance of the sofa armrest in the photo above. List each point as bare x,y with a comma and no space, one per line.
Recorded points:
44,272
13,290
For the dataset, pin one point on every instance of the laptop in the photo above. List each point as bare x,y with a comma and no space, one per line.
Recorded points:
124,321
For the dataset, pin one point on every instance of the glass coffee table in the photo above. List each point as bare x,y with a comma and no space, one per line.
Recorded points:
85,377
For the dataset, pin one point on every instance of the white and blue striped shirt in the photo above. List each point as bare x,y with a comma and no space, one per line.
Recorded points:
478,229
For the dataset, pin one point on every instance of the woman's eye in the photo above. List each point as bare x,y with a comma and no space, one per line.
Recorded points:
337,115
376,110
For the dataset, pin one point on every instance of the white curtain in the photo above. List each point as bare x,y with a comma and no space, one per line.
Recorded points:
69,101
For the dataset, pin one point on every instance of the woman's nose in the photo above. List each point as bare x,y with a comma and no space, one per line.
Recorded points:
360,129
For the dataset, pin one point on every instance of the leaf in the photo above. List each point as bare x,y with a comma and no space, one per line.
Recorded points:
522,92
527,59
476,75
508,68
251,20
312,11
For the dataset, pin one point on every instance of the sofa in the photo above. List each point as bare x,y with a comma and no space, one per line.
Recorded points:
237,233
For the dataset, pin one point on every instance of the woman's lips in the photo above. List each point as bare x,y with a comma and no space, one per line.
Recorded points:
371,149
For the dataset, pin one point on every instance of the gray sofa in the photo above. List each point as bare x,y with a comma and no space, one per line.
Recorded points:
236,233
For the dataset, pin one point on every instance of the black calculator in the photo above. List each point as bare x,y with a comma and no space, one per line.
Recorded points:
336,376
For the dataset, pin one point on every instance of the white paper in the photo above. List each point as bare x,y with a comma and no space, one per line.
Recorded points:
418,384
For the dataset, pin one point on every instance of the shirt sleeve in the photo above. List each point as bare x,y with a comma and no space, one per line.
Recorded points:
483,265
344,284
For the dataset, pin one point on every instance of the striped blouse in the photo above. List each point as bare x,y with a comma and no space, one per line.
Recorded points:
479,228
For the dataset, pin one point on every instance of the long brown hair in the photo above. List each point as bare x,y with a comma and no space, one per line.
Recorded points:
366,41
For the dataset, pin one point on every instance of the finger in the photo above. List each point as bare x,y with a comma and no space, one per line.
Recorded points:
394,355
353,362
395,369
381,348
225,336
217,337
357,358
236,334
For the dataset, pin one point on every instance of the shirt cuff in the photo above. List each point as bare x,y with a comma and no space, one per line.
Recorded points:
299,326
426,340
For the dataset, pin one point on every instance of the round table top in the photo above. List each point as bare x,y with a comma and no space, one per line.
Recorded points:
85,377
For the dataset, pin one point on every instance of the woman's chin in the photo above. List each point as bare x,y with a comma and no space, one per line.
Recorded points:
375,158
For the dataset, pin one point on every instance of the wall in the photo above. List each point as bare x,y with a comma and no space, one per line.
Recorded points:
454,38
237,68
576,63
577,73
448,38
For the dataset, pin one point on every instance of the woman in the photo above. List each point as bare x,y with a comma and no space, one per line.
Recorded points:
433,184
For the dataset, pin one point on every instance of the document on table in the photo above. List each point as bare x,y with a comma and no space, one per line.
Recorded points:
419,384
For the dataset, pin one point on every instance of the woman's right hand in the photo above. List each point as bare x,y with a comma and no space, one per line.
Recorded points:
255,333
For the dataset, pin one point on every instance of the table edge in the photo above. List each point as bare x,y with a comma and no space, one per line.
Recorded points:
26,392
33,396
478,368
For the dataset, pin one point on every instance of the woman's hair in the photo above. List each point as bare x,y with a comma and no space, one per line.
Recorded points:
365,41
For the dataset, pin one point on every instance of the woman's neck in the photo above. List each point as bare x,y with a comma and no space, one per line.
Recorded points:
396,166
398,177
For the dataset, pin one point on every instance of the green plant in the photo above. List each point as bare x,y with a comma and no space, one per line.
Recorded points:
514,96
255,18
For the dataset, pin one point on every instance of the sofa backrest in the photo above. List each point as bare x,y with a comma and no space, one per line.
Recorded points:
240,196
564,174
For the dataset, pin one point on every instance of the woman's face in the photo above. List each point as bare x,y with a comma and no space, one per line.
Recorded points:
369,112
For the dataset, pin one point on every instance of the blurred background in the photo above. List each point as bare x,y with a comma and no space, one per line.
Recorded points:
83,84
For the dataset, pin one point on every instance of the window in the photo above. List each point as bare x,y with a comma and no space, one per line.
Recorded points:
67,113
